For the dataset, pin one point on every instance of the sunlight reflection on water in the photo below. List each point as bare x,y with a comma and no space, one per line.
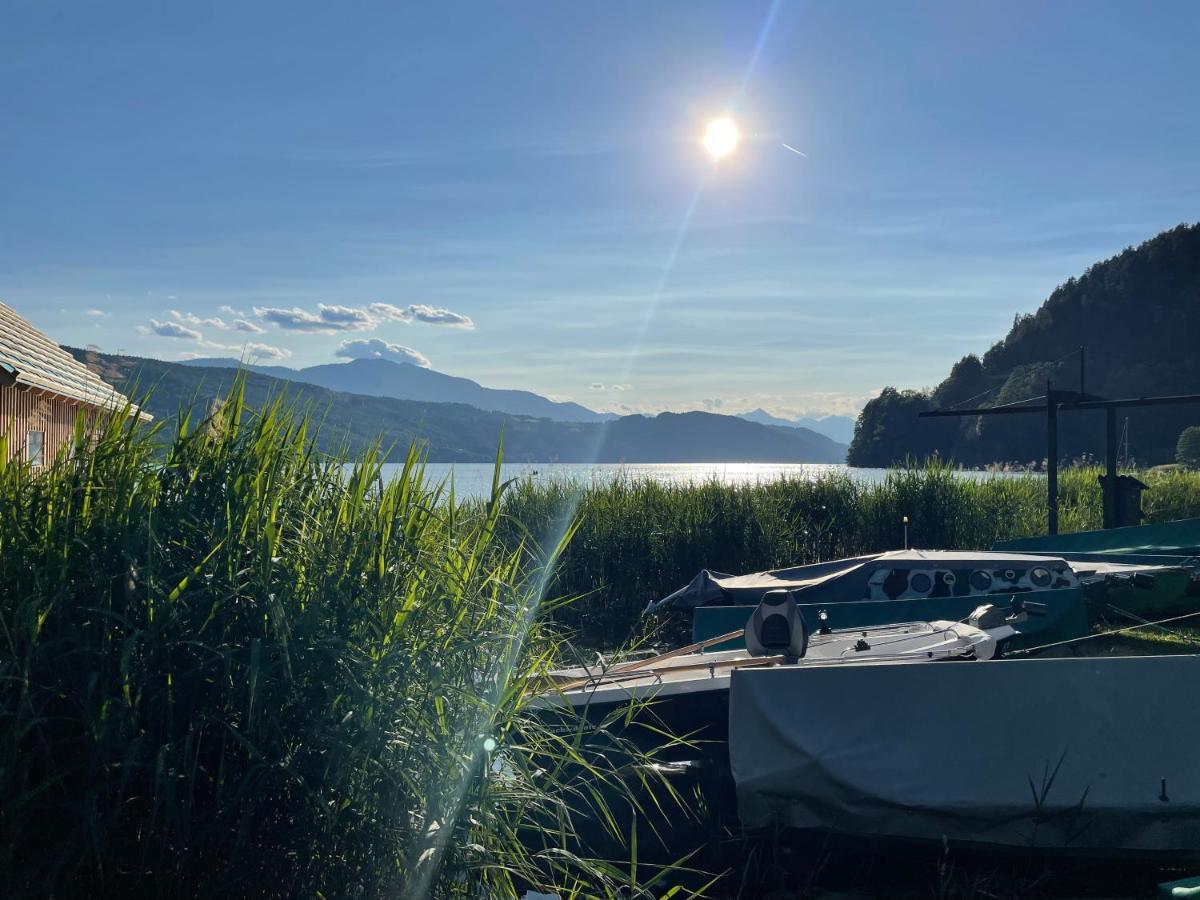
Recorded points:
475,479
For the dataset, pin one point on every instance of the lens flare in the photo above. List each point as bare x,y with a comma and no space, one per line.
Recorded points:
721,137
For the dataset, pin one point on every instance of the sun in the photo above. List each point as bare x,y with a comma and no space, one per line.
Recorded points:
721,137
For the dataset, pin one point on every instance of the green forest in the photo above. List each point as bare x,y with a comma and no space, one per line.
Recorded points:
1137,317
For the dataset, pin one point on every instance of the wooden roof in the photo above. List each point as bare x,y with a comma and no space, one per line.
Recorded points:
30,359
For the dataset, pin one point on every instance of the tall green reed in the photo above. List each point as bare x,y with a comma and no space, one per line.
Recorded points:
638,540
239,669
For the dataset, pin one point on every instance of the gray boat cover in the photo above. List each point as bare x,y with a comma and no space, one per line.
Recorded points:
1072,754
836,581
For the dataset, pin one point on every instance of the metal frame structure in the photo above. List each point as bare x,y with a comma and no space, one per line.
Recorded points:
1050,404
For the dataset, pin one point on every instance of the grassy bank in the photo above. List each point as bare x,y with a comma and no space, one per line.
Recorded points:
637,540
237,671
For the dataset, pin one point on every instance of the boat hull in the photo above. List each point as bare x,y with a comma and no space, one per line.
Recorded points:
1092,755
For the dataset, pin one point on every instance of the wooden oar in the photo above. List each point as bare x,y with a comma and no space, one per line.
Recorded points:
651,661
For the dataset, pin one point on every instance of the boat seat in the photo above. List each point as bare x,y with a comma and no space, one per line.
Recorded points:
777,628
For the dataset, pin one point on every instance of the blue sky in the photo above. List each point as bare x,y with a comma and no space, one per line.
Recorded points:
502,189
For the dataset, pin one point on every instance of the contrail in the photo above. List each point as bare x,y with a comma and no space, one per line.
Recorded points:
794,150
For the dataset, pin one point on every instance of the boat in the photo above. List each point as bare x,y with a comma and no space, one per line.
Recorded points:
898,586
1091,756
680,698
1115,564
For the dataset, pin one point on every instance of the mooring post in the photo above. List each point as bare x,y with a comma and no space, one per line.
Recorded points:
1051,461
1110,467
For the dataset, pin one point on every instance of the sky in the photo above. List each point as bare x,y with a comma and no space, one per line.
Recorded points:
517,192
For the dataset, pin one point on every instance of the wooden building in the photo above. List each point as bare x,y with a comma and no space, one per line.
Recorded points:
43,389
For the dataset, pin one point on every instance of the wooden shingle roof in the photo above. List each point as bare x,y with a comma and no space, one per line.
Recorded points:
28,358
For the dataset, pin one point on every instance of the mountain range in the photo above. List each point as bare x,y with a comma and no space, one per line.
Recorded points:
839,428
457,432
1136,319
404,381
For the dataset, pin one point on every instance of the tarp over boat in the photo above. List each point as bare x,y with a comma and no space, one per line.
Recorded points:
1171,539
851,579
1092,754
1168,551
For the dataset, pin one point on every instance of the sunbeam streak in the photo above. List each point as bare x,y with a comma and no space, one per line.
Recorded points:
428,860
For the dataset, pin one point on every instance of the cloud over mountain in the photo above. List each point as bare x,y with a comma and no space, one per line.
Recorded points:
374,348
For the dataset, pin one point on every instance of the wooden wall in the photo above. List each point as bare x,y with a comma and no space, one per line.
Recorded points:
22,411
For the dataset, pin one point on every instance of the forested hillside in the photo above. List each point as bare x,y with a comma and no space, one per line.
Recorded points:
1138,316
456,432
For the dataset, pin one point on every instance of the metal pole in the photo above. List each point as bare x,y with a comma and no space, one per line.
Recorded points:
1110,467
1051,461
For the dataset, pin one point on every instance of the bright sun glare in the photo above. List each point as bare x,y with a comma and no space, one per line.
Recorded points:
721,137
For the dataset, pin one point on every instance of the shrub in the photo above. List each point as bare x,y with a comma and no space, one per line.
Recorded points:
1187,451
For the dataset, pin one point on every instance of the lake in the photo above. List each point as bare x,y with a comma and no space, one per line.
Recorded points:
475,479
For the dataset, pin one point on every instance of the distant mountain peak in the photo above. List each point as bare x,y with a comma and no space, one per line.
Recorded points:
839,428
400,380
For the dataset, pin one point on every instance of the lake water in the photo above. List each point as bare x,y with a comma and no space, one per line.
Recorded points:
475,479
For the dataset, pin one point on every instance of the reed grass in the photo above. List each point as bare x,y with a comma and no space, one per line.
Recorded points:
239,670
637,540
236,668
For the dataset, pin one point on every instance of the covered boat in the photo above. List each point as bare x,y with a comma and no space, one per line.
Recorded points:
899,586
1117,561
1095,755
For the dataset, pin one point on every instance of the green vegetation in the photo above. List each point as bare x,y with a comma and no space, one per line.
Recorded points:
1187,451
240,671
639,540
1137,316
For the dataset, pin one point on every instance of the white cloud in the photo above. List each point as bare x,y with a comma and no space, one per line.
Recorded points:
329,318
98,313
254,352
182,328
388,312
195,320
251,353
439,315
349,318
326,320
174,330
374,348
601,386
